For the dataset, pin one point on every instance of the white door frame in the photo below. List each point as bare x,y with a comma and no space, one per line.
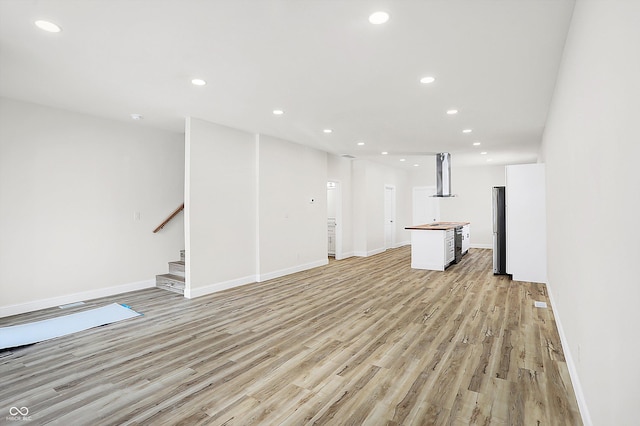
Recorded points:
338,230
392,210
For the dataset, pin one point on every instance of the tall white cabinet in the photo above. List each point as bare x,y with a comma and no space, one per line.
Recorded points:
526,222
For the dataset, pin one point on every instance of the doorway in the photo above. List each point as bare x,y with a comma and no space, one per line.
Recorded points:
389,216
334,219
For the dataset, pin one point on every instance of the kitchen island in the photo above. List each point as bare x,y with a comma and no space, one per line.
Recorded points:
433,245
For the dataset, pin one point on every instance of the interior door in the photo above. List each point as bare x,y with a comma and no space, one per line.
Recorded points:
389,216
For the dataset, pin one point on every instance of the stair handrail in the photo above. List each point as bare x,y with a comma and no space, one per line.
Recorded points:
171,216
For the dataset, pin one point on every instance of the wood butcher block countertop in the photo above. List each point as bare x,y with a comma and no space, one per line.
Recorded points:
436,226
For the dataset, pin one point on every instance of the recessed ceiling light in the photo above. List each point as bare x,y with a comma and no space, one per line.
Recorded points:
378,18
328,131
403,159
384,153
483,153
360,143
278,112
476,144
489,159
452,111
416,165
427,80
136,117
467,131
198,82
48,26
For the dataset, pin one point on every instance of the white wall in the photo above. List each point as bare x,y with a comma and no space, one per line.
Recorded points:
248,207
292,228
425,174
369,180
220,207
591,152
472,187
359,206
69,187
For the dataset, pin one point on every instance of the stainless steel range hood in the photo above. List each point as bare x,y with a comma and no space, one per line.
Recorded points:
443,175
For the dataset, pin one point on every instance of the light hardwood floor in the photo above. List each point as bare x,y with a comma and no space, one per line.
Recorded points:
360,341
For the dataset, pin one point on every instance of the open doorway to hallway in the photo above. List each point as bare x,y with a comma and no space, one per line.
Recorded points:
334,220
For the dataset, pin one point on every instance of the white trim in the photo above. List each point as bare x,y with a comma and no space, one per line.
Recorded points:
345,255
390,244
192,293
481,246
369,253
374,251
428,266
187,204
573,372
292,270
35,305
257,201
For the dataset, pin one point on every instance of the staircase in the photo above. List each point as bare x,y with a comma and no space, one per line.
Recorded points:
174,280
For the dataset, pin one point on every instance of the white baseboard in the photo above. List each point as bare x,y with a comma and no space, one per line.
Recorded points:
345,255
376,251
482,246
292,270
36,305
192,293
427,266
369,253
573,372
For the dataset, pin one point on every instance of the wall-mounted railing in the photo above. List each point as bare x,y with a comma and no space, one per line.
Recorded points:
168,219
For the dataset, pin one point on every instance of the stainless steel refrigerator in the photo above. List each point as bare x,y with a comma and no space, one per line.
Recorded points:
499,231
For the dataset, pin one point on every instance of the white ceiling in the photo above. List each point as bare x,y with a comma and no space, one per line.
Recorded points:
320,61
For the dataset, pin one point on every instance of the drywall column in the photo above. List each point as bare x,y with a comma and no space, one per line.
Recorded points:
292,207
220,207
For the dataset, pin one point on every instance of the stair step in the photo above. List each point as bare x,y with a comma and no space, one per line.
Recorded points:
170,282
177,268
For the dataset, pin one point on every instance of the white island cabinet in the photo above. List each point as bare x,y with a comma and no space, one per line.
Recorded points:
466,238
433,245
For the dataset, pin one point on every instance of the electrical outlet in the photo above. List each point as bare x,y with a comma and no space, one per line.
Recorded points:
136,216
540,304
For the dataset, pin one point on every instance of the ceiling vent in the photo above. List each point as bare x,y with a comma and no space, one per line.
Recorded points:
348,156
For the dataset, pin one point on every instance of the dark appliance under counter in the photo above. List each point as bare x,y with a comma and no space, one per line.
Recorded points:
458,244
